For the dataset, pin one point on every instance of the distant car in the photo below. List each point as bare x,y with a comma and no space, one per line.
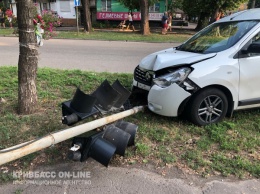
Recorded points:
210,75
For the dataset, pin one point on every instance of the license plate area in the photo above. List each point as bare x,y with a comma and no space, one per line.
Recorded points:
143,86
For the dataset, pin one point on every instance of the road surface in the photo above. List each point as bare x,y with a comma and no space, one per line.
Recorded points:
99,180
87,55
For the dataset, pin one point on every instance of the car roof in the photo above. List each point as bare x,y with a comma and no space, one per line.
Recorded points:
249,14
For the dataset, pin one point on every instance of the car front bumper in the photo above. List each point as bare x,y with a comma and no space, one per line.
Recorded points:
166,101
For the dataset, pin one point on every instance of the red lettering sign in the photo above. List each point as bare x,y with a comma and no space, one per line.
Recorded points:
112,16
124,16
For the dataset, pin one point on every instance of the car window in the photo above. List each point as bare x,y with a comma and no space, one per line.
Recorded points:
255,39
217,37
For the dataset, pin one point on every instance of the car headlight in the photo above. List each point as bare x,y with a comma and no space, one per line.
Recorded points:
177,76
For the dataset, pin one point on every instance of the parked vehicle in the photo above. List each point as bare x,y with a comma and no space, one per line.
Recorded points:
210,75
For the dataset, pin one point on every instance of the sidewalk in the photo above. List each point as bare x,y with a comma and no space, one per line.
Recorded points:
125,180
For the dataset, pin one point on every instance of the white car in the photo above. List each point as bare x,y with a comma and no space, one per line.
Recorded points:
210,75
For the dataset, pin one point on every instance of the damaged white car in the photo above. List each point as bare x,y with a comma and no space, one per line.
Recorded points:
210,75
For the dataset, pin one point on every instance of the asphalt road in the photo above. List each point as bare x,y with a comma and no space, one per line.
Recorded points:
88,55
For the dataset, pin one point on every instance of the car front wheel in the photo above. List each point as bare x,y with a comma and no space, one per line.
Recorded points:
208,106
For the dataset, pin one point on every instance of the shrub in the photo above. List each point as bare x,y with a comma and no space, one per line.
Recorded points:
48,20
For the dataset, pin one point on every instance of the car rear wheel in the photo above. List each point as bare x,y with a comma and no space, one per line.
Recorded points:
208,106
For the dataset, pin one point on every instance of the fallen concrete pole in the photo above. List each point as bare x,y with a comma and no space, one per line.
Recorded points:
18,151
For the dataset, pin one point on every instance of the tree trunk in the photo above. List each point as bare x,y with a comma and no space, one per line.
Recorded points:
86,10
28,59
203,21
253,4
214,16
145,29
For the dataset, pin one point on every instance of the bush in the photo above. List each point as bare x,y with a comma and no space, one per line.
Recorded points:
48,20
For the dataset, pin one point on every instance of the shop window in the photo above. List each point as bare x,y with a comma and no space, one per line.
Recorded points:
44,6
155,8
106,5
64,5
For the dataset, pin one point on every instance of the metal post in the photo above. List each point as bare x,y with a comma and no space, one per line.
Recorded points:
18,151
77,17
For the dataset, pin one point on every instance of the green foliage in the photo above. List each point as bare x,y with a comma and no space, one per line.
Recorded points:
2,6
18,191
47,21
194,159
234,165
6,177
131,4
257,4
195,7
143,149
166,154
118,36
204,9
51,20
204,143
159,135
135,4
174,4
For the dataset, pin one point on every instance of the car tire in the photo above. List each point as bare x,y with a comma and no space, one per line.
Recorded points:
208,106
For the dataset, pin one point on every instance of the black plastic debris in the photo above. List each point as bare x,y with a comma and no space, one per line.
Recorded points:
75,152
79,108
129,128
82,102
118,137
93,146
124,93
102,145
114,138
106,96
105,99
102,150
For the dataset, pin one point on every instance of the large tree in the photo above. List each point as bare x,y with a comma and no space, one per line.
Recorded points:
142,5
145,17
131,4
206,9
174,4
28,58
87,19
253,4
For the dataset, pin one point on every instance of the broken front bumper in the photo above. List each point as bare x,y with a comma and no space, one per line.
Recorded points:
166,101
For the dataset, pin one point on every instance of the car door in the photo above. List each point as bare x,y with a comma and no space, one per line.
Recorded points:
249,86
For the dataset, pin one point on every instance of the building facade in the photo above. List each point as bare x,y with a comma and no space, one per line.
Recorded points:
101,10
64,8
113,10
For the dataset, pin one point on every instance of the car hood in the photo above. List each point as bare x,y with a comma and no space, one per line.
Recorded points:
172,57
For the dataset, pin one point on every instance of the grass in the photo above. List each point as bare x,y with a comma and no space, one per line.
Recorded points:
114,35
122,36
7,31
229,148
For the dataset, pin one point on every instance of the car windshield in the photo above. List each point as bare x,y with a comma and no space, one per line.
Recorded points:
217,37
